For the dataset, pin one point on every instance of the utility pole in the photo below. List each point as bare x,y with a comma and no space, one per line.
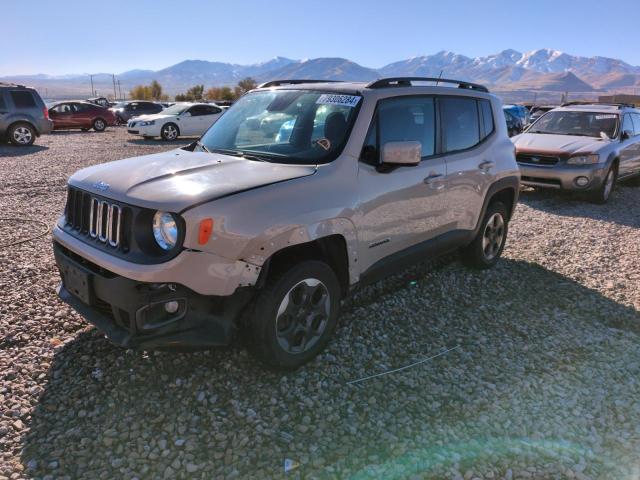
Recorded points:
114,85
91,77
119,89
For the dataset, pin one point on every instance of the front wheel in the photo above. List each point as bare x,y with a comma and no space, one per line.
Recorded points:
294,317
22,134
485,250
99,125
603,192
169,132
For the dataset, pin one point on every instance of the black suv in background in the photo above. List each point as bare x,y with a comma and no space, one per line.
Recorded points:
23,114
125,111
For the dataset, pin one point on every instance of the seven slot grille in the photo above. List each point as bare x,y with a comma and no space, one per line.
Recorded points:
98,218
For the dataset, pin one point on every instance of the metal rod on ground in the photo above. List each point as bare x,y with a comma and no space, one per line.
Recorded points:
405,367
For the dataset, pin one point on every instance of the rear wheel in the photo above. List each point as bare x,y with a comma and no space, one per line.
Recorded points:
294,317
485,250
99,125
22,134
169,132
603,192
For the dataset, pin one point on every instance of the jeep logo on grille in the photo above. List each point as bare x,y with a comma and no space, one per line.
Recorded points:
104,221
535,159
102,186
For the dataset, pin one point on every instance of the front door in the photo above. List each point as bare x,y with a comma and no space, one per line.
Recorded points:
629,148
400,207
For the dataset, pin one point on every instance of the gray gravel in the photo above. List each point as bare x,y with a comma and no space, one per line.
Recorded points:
542,382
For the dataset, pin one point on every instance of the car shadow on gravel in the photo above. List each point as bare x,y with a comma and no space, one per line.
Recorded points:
112,413
620,209
12,151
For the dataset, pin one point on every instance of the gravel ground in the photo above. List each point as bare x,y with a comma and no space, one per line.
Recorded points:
537,377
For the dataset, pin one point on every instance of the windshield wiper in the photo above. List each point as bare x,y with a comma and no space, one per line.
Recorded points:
201,145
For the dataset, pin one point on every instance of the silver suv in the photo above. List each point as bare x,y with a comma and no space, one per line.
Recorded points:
582,148
300,192
23,114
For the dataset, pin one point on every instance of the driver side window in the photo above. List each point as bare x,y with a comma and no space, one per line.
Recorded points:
402,119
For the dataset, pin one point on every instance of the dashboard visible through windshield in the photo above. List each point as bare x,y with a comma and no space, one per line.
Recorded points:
285,126
583,124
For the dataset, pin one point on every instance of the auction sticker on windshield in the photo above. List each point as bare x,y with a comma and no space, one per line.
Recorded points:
342,100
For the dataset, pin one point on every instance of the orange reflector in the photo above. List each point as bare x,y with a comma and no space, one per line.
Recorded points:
206,227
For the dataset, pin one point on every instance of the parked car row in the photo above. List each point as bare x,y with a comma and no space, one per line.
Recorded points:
181,119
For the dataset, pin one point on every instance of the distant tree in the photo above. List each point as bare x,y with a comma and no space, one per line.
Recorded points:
148,92
220,93
244,86
156,90
194,94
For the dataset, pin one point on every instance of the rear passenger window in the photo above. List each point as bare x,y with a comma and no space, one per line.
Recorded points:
3,105
23,99
636,123
459,123
487,117
408,119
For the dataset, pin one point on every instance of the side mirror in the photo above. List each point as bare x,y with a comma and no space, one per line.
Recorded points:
402,153
626,135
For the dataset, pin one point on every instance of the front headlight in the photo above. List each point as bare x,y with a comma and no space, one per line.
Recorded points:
584,159
165,230
147,123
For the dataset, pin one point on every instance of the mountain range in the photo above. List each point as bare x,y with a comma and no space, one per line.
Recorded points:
509,70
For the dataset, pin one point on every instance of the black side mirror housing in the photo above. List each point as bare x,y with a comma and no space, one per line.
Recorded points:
626,135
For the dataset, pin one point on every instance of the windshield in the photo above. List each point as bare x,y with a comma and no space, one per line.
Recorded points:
586,124
176,109
285,126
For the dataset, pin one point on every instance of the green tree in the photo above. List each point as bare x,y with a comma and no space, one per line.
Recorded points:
194,94
244,86
148,92
156,90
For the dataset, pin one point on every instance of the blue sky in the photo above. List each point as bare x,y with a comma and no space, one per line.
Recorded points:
58,36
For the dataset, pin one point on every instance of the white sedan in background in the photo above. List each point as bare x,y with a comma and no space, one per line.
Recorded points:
181,119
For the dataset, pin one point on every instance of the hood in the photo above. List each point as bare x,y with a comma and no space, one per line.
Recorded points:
176,180
557,144
152,116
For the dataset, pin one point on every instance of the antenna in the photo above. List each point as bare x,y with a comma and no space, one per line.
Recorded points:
439,77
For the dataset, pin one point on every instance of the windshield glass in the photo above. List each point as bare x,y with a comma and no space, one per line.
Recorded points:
285,126
176,109
588,124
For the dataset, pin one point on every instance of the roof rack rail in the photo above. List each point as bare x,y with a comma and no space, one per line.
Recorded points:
15,85
277,83
406,82
605,104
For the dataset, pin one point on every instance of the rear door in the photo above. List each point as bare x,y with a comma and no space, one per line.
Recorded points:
4,112
203,116
466,123
628,147
400,207
61,115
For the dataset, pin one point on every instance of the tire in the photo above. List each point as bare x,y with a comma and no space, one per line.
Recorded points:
602,194
169,132
99,125
485,250
282,330
22,134
120,120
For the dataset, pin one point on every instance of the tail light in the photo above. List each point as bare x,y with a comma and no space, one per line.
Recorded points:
46,113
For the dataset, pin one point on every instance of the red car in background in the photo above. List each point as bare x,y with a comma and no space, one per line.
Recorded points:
82,115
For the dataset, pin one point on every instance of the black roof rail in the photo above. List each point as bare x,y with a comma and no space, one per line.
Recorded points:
14,85
277,83
406,82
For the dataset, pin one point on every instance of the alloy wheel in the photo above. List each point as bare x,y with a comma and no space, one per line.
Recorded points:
99,125
303,316
170,132
493,236
22,135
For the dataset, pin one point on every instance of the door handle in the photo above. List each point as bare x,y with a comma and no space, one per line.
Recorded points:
486,165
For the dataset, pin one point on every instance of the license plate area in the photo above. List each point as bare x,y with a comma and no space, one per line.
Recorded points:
76,280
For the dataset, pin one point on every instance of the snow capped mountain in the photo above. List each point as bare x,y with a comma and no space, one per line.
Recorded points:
509,69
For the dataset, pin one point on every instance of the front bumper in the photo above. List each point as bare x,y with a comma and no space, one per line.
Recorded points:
132,314
563,176
202,272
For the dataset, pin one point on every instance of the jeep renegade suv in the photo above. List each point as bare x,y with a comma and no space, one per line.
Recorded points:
300,192
582,148
23,114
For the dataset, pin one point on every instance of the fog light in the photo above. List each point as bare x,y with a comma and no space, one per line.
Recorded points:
582,181
172,306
